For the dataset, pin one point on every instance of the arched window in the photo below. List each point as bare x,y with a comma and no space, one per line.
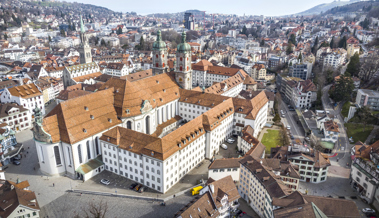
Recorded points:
181,59
148,125
156,55
80,154
187,68
163,65
129,124
181,68
156,65
88,150
163,56
57,155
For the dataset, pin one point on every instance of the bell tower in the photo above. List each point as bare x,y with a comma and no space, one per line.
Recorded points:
183,72
159,55
84,49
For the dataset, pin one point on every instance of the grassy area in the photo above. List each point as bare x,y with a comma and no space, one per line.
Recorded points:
355,130
271,140
345,109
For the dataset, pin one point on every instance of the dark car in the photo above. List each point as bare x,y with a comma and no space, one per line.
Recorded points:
15,162
142,189
292,137
132,186
238,212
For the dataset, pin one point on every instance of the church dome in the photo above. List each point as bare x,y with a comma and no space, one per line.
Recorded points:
159,44
184,47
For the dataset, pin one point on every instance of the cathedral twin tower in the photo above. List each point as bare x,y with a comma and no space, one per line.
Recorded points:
183,70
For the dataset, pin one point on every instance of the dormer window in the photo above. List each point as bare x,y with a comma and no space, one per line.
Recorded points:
152,153
127,111
84,130
110,120
86,108
92,117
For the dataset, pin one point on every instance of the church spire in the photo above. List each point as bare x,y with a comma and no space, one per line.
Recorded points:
81,25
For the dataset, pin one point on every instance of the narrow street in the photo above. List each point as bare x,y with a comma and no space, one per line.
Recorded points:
343,146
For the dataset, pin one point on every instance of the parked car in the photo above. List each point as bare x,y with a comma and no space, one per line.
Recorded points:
283,116
288,127
224,146
105,181
132,186
230,140
368,210
282,112
292,137
15,162
142,189
16,158
307,139
291,109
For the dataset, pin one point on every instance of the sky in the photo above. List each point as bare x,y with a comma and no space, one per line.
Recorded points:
239,7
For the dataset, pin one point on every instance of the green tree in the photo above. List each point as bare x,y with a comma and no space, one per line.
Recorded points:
102,43
324,44
353,66
315,46
332,43
364,115
300,57
343,89
289,48
277,118
244,30
262,43
5,36
365,23
141,43
49,38
292,39
119,31
342,43
63,33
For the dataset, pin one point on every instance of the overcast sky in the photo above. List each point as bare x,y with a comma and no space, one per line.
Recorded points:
240,7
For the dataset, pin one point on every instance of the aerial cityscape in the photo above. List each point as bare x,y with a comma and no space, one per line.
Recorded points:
153,112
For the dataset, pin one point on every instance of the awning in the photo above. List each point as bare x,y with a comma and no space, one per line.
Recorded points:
90,165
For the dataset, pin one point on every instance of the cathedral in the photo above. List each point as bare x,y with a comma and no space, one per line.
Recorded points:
159,122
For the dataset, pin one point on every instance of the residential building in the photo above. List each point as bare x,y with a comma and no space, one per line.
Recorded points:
82,73
367,97
29,96
216,199
335,59
221,168
9,146
299,205
305,94
247,141
313,165
330,130
364,176
15,116
18,200
301,70
117,69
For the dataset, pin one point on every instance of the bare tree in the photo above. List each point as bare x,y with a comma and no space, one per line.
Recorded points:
369,66
98,210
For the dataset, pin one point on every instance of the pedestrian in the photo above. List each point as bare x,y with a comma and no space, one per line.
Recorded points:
27,152
53,185
174,196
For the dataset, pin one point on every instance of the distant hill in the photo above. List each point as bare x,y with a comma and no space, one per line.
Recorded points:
324,7
365,6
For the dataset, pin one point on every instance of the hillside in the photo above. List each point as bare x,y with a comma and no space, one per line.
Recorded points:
365,6
324,7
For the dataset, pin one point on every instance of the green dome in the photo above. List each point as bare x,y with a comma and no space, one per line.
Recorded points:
159,44
184,47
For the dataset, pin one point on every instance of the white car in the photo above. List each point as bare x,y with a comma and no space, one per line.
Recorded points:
288,127
306,138
105,181
224,146
230,140
368,210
